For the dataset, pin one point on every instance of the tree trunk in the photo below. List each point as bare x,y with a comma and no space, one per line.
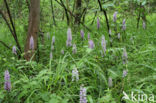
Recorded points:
33,28
66,11
138,19
78,12
52,10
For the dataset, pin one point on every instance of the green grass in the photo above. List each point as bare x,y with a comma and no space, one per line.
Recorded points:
50,81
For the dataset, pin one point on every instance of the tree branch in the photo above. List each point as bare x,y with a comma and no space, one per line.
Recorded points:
14,30
73,15
66,11
3,16
139,16
5,44
94,18
105,14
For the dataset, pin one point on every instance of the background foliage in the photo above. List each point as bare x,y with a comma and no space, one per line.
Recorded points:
49,81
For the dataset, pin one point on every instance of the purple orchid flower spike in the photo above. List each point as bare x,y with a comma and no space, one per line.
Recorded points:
83,94
53,40
68,43
124,73
7,84
75,74
98,23
91,44
31,43
110,82
82,34
124,25
14,50
103,44
69,34
124,21
74,49
124,56
69,38
115,16
52,43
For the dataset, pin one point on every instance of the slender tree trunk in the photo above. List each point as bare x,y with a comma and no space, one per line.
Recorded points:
105,14
66,11
138,20
52,10
78,12
139,16
67,6
33,28
143,14
13,27
107,22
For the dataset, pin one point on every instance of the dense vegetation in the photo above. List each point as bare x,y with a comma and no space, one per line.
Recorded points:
78,59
